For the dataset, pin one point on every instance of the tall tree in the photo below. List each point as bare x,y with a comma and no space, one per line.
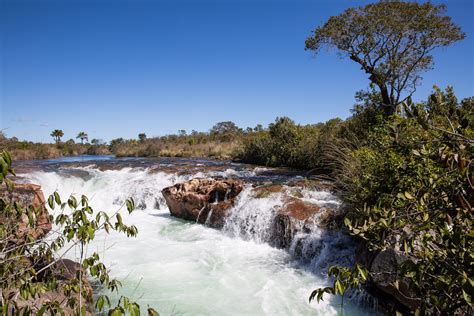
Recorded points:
392,41
57,134
227,127
82,136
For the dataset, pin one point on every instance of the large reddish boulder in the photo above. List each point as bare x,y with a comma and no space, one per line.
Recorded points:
28,195
205,201
296,215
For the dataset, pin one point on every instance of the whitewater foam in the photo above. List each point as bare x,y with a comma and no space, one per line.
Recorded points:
188,269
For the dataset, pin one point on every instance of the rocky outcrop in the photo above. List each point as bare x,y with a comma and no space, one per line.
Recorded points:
28,195
383,267
297,215
203,200
207,201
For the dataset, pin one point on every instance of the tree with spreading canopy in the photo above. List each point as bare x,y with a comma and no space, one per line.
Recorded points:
222,128
391,40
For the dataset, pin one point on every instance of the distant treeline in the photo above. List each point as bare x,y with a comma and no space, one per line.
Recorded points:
25,150
223,141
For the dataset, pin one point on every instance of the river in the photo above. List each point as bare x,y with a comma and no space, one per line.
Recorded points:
184,268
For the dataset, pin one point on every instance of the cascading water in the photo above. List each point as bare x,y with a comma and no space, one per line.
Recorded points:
182,268
252,219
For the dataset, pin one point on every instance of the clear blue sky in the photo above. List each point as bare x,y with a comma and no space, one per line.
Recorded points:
117,68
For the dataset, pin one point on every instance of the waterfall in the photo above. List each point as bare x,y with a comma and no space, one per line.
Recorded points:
184,268
252,219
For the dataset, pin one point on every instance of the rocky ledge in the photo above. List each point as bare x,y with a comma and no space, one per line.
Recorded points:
207,201
203,200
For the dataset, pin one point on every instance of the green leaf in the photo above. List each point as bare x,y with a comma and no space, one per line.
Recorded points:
130,205
57,198
72,202
467,297
152,312
347,222
41,311
70,234
134,309
339,287
117,312
362,272
401,196
100,303
51,202
91,232
426,216
409,196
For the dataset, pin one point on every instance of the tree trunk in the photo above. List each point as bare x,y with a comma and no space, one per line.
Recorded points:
387,105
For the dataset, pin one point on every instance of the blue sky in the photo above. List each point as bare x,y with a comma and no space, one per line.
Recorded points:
118,68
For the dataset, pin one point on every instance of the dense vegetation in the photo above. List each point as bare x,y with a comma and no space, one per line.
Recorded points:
404,170
408,185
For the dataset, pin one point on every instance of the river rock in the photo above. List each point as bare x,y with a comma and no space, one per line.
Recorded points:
205,201
383,268
26,195
263,191
295,216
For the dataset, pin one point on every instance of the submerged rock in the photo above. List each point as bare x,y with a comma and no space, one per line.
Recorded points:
203,200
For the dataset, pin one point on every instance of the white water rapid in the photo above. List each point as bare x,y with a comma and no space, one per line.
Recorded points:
184,268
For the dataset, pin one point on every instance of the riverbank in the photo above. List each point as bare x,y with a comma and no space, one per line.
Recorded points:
24,150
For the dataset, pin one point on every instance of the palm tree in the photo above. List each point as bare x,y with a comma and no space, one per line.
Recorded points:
82,136
57,134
